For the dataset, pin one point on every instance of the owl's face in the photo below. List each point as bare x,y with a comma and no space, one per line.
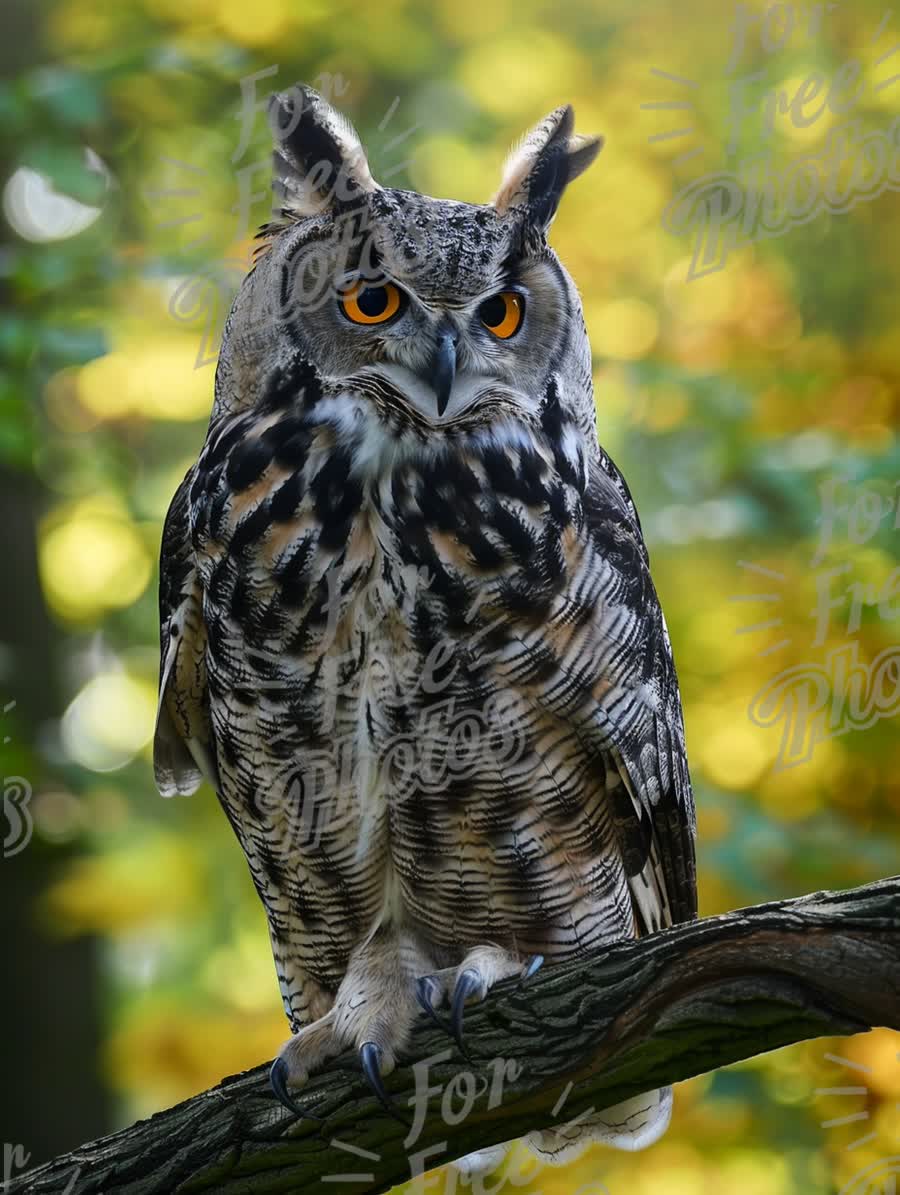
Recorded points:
444,306
434,303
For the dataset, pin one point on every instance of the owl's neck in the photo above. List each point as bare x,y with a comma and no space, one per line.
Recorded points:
387,443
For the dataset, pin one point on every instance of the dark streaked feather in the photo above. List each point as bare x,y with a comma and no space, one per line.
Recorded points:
650,746
183,750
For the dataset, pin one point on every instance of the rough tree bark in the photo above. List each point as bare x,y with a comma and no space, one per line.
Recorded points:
595,1031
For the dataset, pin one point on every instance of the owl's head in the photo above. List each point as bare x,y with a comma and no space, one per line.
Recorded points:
431,307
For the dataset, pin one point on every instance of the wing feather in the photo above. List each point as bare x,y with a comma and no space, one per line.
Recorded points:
183,751
654,806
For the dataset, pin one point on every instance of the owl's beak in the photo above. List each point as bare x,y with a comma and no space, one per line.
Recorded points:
443,367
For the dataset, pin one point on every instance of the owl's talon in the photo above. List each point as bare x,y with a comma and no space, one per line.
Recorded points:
278,1077
532,967
426,986
466,985
370,1059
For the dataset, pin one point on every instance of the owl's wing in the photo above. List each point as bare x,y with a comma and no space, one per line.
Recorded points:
183,750
639,715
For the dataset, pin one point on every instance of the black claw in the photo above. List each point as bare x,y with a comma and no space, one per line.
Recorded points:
370,1059
278,1076
532,967
466,985
425,995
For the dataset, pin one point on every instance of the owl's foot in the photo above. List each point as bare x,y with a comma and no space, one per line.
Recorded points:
471,980
374,1011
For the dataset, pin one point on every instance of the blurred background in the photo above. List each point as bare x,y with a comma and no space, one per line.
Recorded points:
134,172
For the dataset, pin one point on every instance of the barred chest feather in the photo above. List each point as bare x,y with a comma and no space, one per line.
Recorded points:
379,605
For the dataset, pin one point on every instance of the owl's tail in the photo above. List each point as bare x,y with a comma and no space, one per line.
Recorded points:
633,1124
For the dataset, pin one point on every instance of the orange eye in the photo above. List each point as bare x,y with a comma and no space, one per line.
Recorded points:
502,314
371,304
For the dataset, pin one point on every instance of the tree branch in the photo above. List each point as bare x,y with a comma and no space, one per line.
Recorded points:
634,1017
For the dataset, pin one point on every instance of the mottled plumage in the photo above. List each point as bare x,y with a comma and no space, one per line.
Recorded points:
418,652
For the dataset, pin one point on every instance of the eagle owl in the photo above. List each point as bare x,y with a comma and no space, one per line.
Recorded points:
409,633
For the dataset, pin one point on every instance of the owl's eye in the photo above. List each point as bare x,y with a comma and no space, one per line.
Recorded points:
502,314
371,304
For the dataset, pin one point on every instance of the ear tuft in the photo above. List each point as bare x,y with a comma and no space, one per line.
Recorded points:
542,165
319,160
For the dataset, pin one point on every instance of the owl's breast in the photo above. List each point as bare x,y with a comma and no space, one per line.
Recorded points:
356,620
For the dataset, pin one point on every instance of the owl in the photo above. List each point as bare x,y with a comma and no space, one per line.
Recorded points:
409,633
